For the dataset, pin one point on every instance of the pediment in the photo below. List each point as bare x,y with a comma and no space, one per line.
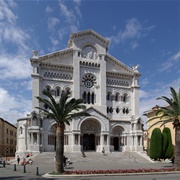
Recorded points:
62,57
97,113
113,65
88,35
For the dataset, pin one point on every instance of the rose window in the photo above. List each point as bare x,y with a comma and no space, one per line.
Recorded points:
89,80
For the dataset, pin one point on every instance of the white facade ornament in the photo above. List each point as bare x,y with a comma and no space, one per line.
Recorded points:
35,54
135,68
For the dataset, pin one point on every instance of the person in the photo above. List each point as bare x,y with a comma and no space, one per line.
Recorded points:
83,154
103,151
64,160
30,161
18,159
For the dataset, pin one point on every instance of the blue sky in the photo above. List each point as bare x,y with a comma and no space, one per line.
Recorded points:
146,33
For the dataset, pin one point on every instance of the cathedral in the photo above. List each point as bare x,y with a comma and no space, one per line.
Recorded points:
110,91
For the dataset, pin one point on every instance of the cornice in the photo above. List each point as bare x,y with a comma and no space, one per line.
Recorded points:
52,66
68,51
88,32
128,121
118,75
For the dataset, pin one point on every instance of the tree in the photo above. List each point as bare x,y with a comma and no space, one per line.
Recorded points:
169,147
171,113
62,112
164,145
156,144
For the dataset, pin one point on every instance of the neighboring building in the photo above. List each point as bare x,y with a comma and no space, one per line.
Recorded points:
145,139
7,138
110,90
150,114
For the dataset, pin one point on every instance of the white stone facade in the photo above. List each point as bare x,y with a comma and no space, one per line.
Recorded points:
109,87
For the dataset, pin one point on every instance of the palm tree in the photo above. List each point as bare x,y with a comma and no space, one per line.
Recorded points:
62,112
170,113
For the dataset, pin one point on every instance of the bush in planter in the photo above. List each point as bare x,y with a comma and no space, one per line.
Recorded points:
156,144
169,150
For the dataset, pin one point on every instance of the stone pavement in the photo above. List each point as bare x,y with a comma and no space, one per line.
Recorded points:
93,161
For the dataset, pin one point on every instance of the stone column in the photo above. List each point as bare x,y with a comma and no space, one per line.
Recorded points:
38,138
102,140
31,138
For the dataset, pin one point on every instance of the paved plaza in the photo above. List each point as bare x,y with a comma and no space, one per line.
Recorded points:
44,163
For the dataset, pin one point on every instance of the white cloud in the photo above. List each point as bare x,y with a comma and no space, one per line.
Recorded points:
171,62
13,107
48,9
13,34
5,11
176,57
15,66
54,41
132,32
52,22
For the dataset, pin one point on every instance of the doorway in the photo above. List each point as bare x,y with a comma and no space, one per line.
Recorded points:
89,142
116,143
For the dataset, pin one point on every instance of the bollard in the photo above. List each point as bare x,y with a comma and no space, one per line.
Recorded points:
37,171
24,168
14,167
4,164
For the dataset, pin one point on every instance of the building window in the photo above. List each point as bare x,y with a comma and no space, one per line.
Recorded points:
7,131
76,139
111,110
107,109
109,96
117,110
117,97
21,130
7,140
84,97
58,91
125,98
66,140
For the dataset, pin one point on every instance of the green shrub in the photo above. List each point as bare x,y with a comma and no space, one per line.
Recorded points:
169,150
164,145
156,144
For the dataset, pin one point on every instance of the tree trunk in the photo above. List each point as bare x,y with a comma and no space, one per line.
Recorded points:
177,146
59,148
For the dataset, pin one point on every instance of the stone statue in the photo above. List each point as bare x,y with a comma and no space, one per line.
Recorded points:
35,53
135,68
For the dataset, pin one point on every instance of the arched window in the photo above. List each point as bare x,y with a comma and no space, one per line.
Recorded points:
21,130
125,98
92,98
124,110
48,88
89,98
84,97
107,109
57,91
127,111
108,96
117,97
111,110
117,110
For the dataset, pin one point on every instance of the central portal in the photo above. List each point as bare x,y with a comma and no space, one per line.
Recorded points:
88,142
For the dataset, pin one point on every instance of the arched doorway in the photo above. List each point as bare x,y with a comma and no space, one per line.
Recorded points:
90,135
116,143
89,142
116,138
